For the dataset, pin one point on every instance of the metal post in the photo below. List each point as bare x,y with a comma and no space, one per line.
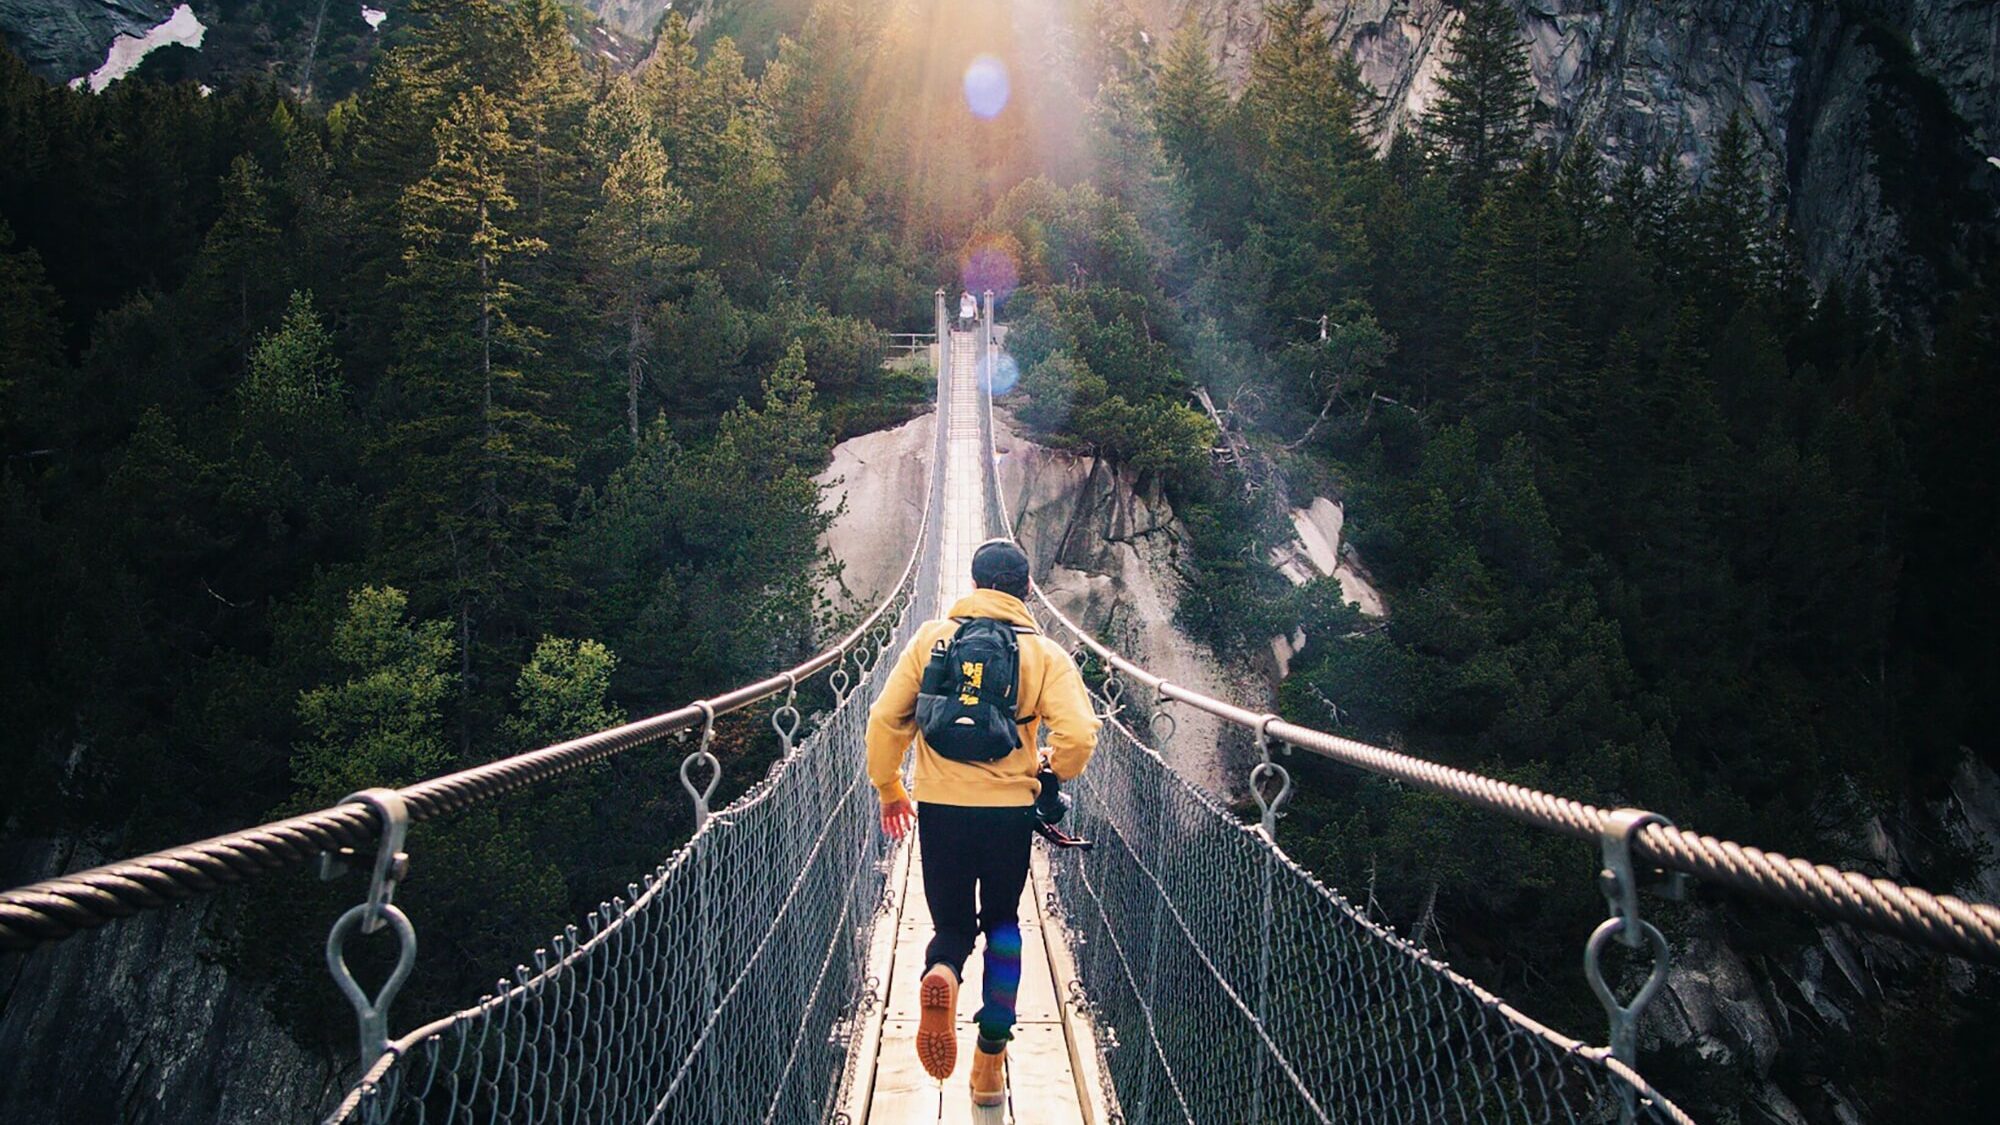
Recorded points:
986,342
943,357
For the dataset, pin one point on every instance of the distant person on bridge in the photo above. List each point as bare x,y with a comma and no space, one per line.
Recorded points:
973,691
968,309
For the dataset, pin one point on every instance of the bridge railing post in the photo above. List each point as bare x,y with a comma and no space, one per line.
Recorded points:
943,353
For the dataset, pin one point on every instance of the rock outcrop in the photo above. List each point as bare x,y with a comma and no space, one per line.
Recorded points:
876,483
66,40
1319,552
1751,1018
1107,550
137,1023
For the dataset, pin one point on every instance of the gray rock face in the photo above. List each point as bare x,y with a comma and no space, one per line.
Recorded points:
62,39
876,483
1844,100
132,1023
1107,552
1756,1017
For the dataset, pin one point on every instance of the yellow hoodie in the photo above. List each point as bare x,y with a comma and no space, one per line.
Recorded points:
1050,690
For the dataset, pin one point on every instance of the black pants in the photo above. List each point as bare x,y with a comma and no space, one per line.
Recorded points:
975,864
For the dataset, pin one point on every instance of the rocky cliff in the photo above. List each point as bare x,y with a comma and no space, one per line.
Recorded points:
1108,549
64,39
1880,119
147,1028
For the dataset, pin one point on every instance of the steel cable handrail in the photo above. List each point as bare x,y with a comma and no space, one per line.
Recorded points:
53,909
1942,922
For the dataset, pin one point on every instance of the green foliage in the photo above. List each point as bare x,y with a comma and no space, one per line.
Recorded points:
326,425
293,371
561,692
384,725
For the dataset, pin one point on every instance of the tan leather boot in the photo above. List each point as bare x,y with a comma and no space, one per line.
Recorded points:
989,1077
937,1037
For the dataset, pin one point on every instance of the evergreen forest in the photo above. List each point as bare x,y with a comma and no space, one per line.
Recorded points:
477,403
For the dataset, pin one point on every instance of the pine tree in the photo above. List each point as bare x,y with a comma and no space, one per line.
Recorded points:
630,235
1190,109
1522,258
1300,110
546,112
240,258
292,369
1732,255
30,342
810,93
483,462
671,83
1479,125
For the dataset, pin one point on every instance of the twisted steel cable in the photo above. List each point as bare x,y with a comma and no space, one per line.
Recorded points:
1941,922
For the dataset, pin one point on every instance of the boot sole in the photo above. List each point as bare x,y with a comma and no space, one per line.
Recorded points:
937,1042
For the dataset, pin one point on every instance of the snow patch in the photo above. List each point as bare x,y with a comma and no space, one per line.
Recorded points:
126,50
373,17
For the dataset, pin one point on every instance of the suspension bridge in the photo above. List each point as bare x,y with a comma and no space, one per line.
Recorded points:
1187,969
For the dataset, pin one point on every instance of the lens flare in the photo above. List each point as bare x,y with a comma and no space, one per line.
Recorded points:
986,87
1006,373
991,262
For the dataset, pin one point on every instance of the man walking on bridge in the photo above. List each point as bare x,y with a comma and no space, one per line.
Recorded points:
974,691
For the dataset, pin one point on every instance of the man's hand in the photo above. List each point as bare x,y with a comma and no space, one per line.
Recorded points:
898,817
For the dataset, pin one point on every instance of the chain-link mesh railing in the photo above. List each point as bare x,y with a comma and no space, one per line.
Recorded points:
719,990
1226,983
726,986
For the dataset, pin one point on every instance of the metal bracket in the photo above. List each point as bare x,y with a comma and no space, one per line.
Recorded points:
1113,693
1620,881
702,754
786,719
392,864
1270,809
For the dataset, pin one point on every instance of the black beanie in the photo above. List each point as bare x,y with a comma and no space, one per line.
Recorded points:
1000,565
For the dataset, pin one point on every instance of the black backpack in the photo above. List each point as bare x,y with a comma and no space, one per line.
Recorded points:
965,703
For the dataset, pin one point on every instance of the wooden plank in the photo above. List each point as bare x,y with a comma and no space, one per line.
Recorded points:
881,968
1041,1086
904,1094
1096,1097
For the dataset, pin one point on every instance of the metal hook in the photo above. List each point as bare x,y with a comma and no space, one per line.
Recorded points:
785,720
1264,738
1272,808
838,680
392,864
702,794
1113,692
1619,880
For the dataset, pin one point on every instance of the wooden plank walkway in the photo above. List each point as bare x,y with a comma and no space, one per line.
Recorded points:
1052,1073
